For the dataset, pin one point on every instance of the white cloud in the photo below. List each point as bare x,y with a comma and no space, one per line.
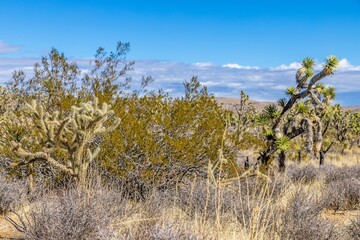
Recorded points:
291,66
238,66
211,83
344,64
6,48
203,64
259,83
279,87
168,90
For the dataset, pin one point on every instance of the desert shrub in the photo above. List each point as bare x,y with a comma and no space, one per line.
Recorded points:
171,230
301,219
198,198
161,218
343,194
12,194
73,214
347,172
162,140
269,186
248,200
305,174
254,205
354,228
158,202
164,229
134,186
278,186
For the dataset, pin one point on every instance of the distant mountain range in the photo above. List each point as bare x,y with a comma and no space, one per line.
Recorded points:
229,103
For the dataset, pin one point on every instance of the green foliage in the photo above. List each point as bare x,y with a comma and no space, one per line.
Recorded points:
291,91
332,62
269,134
301,107
242,122
283,143
161,139
309,72
308,62
282,102
108,77
303,113
329,92
320,87
271,112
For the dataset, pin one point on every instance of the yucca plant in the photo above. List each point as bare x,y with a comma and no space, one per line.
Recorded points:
282,144
291,91
301,107
281,102
331,64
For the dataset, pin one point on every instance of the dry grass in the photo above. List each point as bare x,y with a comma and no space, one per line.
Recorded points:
294,205
12,194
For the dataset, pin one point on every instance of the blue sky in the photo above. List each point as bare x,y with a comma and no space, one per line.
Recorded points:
258,34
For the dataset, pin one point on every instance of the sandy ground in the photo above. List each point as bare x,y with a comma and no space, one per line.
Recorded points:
7,231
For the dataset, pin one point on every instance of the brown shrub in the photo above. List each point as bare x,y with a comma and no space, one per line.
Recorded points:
73,214
354,228
12,194
305,174
342,194
301,219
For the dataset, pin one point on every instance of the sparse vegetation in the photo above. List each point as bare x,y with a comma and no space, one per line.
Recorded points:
302,219
12,194
305,174
109,161
354,228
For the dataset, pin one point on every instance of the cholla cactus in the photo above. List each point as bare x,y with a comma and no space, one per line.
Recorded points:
68,137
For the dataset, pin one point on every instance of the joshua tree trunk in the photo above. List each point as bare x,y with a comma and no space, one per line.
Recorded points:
265,157
299,156
322,154
247,164
322,157
282,158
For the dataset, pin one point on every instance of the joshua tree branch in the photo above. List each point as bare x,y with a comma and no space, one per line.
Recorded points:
328,148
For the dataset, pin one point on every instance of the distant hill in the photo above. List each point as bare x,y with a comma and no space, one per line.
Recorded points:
353,108
230,102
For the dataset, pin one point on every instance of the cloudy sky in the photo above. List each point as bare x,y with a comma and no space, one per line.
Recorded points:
231,46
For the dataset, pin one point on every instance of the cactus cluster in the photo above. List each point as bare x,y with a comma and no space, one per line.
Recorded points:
66,136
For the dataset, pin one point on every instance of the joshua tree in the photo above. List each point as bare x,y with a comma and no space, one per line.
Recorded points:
321,114
64,143
305,88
